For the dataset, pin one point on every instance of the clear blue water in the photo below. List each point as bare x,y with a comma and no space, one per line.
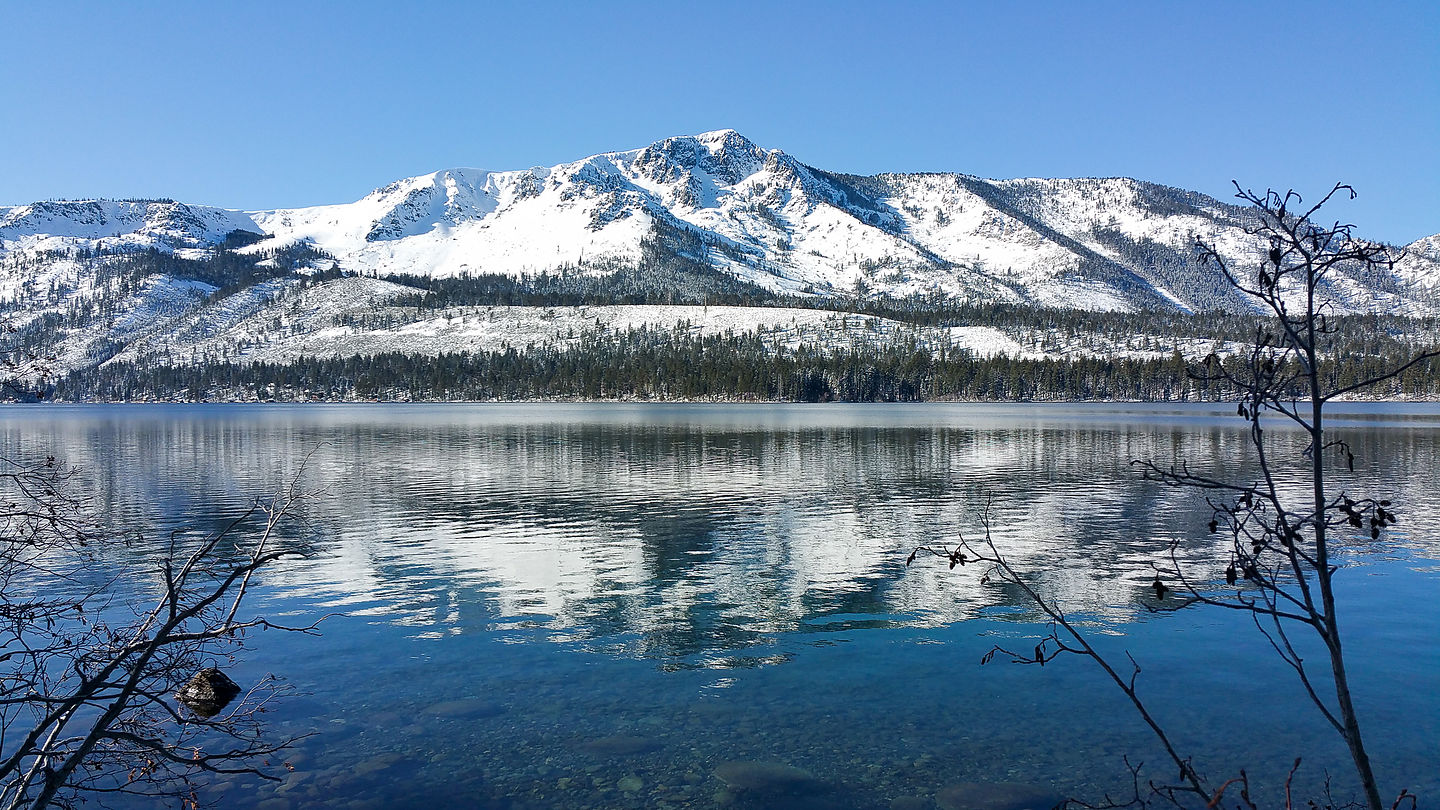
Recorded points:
593,606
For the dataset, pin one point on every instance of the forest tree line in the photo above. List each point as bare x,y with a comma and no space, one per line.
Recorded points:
1091,352
648,365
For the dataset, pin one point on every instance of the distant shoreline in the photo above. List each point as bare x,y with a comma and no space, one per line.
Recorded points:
1418,400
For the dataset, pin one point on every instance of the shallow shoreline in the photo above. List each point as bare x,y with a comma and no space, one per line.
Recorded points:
709,401
693,401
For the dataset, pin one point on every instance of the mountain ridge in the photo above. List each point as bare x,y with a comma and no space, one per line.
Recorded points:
762,216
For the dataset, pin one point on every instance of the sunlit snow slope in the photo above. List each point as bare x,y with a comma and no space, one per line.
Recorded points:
764,217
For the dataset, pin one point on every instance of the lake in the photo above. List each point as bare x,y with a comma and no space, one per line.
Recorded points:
598,606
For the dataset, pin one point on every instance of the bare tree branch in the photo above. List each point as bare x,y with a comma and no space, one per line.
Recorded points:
1278,536
88,700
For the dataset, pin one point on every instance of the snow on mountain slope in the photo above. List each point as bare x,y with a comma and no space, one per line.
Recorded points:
760,214
771,220
276,311
467,220
719,185
313,323
1420,266
159,298
116,224
766,218
103,310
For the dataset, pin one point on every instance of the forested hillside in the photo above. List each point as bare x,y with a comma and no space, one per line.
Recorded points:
225,326
700,266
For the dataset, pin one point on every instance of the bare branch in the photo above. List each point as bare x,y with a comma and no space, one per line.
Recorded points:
1277,537
87,707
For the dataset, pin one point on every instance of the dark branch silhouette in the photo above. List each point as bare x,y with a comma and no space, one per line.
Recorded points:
1280,537
96,688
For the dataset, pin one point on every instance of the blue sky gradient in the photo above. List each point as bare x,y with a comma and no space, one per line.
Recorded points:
278,104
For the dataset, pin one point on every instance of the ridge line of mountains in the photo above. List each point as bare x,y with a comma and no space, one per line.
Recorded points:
762,217
689,237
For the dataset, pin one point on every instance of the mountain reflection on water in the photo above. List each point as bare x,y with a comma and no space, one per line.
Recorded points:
702,538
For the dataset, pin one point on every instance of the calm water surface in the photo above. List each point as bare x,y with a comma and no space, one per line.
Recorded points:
593,606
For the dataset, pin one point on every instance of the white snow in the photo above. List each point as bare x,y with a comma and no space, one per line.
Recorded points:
278,326
773,222
58,225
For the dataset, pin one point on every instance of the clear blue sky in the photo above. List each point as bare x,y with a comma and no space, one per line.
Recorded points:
270,104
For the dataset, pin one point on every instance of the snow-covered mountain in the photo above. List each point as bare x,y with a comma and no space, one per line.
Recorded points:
116,225
685,238
762,216
1420,263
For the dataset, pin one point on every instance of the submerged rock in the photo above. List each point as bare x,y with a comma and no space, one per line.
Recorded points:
996,796
768,778
379,762
207,692
468,708
620,745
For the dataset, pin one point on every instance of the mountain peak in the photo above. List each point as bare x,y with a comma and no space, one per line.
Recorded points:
722,141
723,137
760,215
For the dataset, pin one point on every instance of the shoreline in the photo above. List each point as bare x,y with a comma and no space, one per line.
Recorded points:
1435,400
